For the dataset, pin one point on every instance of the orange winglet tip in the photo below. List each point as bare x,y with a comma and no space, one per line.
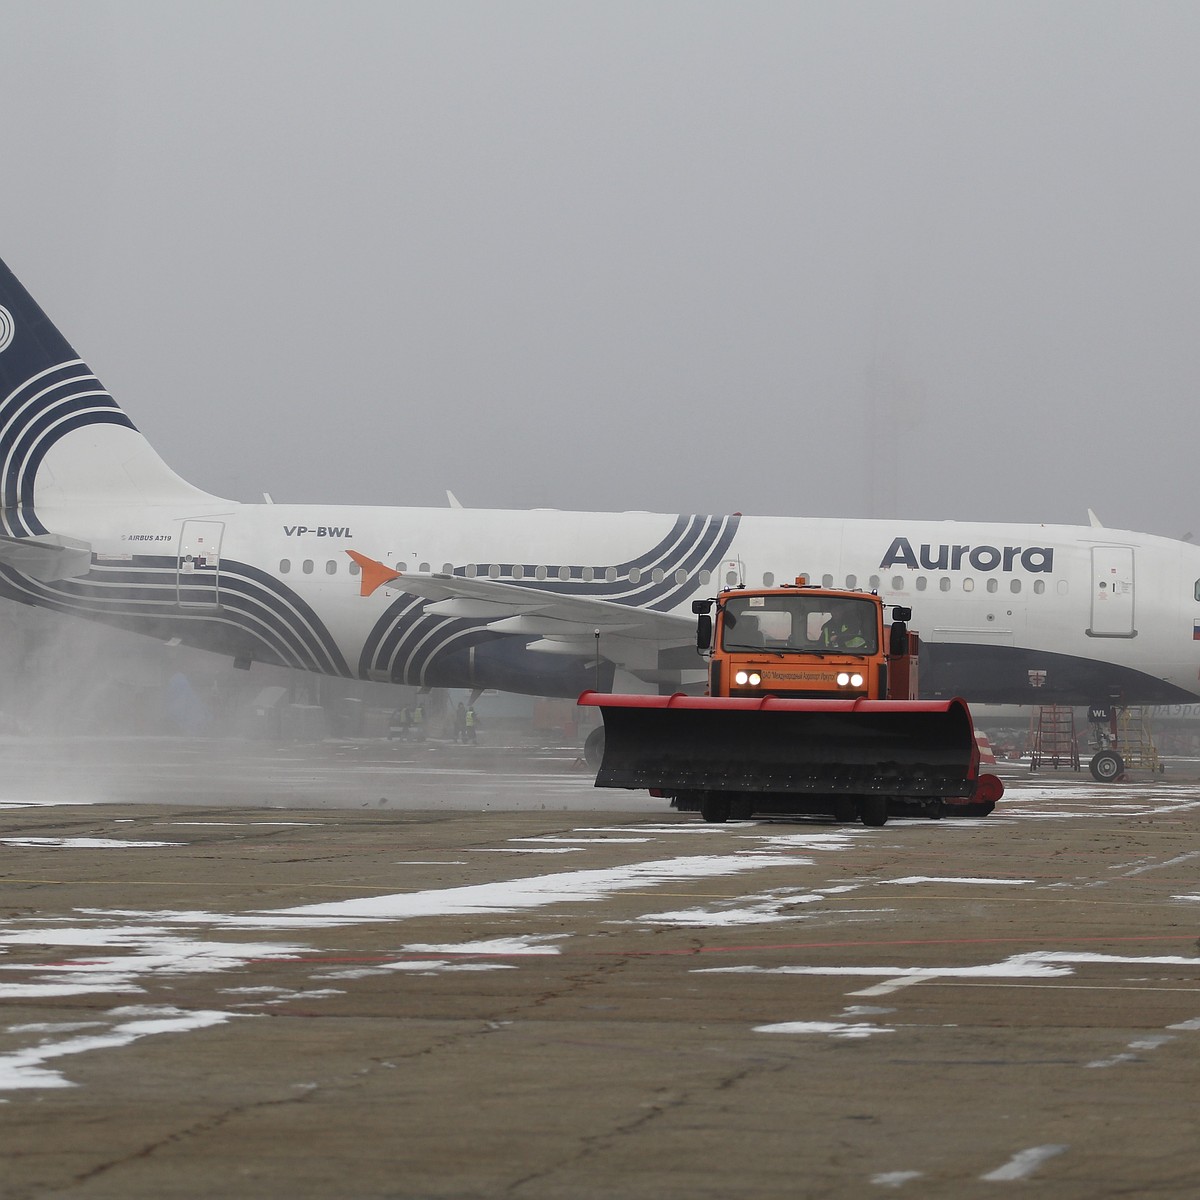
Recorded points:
374,574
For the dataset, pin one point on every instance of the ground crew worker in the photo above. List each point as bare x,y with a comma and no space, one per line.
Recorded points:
418,723
843,632
398,726
470,726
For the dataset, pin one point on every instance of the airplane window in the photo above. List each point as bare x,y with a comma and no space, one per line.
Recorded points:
1039,586
635,576
424,567
285,565
1196,590
705,576
768,579
731,577
610,573
493,572
992,585
447,568
897,583
471,570
1015,585
354,568
681,576
331,567
307,566
851,582
921,582
968,584
564,572
874,583
1062,587
402,566
827,581
540,573
944,583
588,574
518,571
657,575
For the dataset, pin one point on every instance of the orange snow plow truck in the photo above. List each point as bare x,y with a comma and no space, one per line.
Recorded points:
811,709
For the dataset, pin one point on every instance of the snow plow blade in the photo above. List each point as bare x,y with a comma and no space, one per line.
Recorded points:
851,758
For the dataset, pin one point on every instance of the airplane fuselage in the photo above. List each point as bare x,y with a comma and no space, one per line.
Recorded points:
1007,613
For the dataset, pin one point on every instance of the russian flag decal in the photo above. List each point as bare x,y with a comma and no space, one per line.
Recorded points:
1196,631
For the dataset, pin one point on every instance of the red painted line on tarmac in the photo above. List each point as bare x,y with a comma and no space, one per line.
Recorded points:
694,951
1180,937
399,957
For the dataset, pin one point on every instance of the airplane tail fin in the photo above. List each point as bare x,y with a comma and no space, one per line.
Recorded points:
64,441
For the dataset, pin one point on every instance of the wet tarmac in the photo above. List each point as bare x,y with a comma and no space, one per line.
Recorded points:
366,971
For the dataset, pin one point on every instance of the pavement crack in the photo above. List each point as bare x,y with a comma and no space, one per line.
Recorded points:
667,1100
197,1129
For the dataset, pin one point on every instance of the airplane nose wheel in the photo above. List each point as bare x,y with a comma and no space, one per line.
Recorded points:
1107,766
873,811
593,748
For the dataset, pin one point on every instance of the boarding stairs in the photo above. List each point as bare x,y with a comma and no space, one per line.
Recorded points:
1135,740
1052,737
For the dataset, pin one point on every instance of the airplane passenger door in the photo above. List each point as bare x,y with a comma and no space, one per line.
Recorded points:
1112,592
199,569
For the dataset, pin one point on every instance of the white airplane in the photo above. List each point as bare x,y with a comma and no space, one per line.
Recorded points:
547,603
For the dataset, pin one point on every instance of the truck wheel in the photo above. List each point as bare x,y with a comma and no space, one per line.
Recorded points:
845,810
593,748
977,808
874,811
715,809
1107,766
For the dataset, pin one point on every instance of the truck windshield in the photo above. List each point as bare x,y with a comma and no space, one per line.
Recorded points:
812,624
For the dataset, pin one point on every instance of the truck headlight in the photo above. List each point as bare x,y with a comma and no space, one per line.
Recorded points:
845,679
747,678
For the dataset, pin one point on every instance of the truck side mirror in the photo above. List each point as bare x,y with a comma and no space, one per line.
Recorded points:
898,640
699,607
703,631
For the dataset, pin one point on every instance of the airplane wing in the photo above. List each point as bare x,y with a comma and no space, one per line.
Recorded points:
46,558
654,647
567,624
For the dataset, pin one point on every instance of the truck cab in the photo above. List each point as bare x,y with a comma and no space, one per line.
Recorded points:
805,643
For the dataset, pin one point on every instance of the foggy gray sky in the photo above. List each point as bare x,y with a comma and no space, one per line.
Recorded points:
916,259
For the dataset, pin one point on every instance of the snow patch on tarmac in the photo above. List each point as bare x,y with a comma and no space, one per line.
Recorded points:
765,909
895,1178
837,1029
532,944
586,841
538,891
47,803
84,843
421,966
909,879
1039,964
525,849
26,1069
137,952
1022,1165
